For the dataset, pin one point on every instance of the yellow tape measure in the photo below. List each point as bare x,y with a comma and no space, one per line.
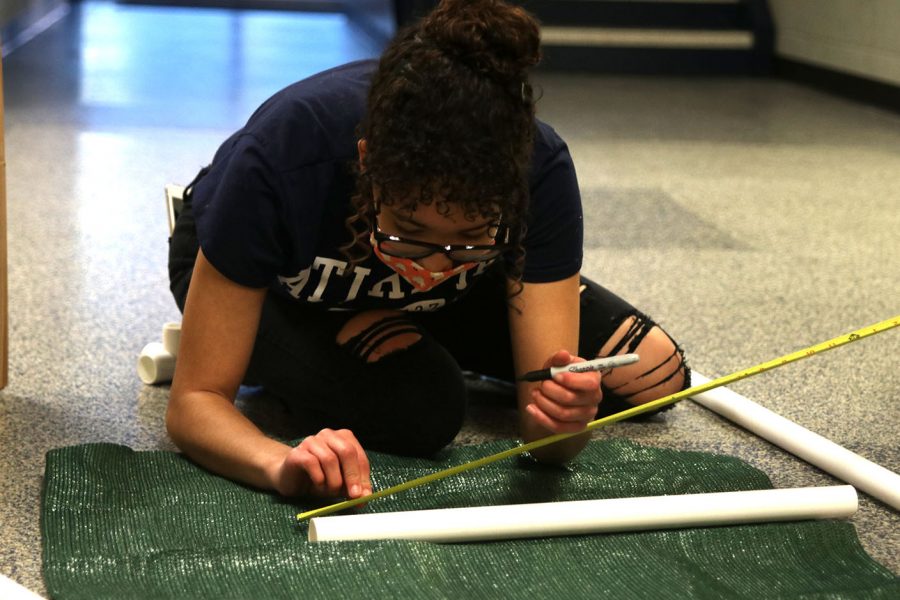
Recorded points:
621,416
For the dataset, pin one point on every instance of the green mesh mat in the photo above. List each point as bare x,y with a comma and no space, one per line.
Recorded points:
120,524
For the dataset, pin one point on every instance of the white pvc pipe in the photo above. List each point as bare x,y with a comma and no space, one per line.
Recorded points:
589,516
171,337
155,364
10,590
847,466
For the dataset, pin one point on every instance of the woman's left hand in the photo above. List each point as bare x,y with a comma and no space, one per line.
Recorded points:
568,402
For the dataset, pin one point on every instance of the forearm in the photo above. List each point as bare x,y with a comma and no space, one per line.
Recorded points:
213,433
543,324
217,336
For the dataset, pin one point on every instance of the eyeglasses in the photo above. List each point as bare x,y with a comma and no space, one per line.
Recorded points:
401,247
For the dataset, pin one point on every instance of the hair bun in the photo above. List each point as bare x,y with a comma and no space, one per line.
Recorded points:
493,37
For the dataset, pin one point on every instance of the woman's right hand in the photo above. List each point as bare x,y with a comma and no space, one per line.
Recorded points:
330,463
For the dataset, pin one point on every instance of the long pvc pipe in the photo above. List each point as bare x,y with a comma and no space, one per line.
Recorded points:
847,466
590,516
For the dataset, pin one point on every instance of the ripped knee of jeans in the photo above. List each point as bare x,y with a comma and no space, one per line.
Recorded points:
409,398
371,336
662,370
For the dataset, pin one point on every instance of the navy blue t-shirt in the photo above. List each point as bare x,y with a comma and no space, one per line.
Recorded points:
271,210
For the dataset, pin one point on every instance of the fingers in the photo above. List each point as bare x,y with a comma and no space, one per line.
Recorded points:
569,401
335,463
561,359
576,382
355,465
563,415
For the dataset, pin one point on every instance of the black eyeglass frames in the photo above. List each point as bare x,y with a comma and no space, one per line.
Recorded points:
401,247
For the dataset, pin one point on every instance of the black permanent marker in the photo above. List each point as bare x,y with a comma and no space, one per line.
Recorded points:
598,364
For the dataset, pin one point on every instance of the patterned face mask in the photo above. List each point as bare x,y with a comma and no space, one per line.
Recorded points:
418,276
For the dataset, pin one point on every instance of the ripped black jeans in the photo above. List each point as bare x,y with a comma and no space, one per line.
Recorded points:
412,401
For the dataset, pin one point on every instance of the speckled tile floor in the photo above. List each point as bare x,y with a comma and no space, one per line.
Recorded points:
751,217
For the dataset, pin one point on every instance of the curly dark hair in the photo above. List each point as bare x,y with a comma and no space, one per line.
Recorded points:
450,120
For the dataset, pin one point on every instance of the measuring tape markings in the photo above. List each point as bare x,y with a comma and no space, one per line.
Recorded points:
620,416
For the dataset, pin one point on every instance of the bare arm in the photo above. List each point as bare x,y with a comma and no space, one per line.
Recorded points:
218,332
545,333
